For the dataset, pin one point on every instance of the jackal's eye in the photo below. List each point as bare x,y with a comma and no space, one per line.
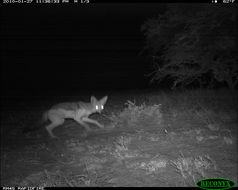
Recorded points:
96,107
102,107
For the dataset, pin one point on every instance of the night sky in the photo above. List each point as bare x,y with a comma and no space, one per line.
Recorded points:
51,48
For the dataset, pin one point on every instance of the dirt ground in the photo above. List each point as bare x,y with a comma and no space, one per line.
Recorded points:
144,145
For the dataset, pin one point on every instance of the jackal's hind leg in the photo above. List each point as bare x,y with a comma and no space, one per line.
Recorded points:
52,125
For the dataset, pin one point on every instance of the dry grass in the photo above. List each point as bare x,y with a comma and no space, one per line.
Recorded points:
170,139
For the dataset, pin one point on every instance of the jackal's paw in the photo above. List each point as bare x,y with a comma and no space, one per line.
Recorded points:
110,126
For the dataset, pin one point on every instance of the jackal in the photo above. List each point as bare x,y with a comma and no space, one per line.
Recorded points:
79,111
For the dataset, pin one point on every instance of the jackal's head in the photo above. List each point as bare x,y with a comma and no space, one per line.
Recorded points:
98,104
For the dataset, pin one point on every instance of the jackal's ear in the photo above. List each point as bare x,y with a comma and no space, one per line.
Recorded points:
93,99
103,100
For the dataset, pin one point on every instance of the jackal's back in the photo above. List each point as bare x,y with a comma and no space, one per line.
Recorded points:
71,106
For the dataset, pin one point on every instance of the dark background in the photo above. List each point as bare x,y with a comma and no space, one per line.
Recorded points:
71,48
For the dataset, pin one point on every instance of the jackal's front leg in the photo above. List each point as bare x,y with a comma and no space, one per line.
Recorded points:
86,119
85,125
